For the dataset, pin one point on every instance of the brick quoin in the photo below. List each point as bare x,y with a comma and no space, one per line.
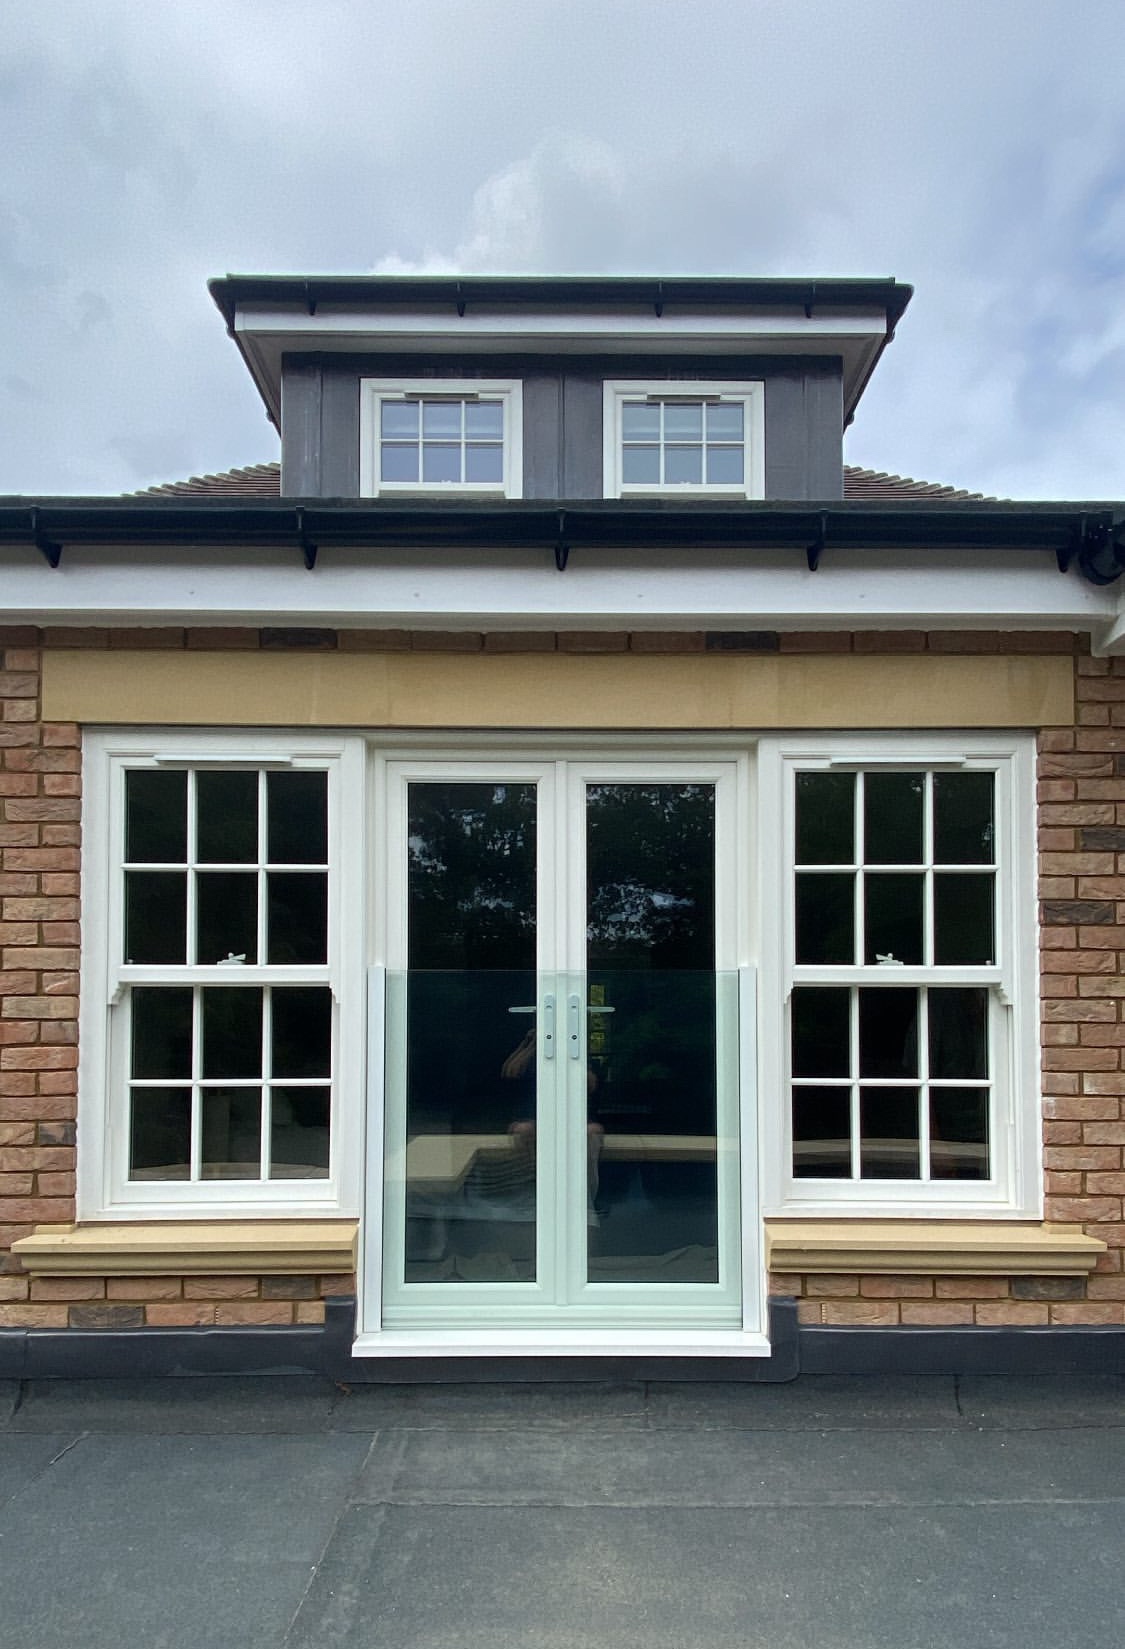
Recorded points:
1082,864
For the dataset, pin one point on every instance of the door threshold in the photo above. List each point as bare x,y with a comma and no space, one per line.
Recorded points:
569,1342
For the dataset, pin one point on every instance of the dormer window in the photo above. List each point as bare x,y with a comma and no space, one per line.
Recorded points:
440,435
677,437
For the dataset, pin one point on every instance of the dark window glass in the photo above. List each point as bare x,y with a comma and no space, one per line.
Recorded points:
232,1031
826,917
161,1033
826,819
472,875
160,1134
155,916
822,1133
963,919
958,1033
650,876
959,1133
888,1147
821,1031
302,1031
155,817
226,915
893,916
297,917
888,1033
226,815
297,818
892,818
299,1133
232,1133
963,825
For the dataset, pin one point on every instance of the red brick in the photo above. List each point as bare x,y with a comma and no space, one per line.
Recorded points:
896,1288
1083,1210
182,1314
38,1059
67,1288
220,1288
1087,1312
971,1288
870,1313
832,1286
254,1311
936,1314
1015,1313
143,1288
33,1316
1074,1157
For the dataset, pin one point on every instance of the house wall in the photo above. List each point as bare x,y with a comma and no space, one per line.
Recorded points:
562,417
1082,861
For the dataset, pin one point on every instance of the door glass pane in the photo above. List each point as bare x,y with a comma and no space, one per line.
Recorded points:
471,1055
650,1081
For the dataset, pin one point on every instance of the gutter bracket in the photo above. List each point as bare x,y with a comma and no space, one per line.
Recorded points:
816,549
48,549
1101,548
658,305
310,301
460,302
308,548
562,548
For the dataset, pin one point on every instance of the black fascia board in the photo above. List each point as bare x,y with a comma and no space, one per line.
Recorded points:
1094,534
460,291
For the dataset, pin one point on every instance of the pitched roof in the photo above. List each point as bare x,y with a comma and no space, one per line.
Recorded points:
860,486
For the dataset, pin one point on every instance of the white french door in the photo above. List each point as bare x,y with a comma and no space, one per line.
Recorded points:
561,1046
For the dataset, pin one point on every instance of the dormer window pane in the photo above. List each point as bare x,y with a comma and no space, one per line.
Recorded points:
441,461
724,466
484,421
683,423
725,421
484,463
640,466
400,420
640,421
683,464
399,463
441,419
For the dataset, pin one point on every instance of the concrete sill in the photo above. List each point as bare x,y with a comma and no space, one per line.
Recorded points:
190,1248
931,1247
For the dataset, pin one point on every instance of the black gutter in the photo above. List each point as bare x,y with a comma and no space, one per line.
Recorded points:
310,292
1093,535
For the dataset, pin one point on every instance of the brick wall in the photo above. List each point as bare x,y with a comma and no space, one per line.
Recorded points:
1082,860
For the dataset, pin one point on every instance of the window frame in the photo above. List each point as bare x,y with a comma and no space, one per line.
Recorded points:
104,1189
374,392
1014,1188
750,394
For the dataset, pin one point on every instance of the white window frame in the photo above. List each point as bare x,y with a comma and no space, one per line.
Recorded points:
1014,1188
749,394
104,1189
373,392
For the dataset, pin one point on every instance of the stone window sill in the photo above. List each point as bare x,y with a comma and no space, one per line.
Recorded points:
190,1248
930,1247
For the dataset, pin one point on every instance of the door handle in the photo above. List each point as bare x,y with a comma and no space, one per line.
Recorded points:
573,1033
548,1027
594,1007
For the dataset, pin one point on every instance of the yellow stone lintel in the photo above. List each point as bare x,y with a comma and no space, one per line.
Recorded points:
983,1248
190,1248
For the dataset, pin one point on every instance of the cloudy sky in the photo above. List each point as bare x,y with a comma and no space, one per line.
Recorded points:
975,148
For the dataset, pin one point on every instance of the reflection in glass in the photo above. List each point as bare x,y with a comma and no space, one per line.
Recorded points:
226,812
441,418
232,1031
302,1030
724,421
888,1033
821,1031
155,817
226,915
889,1146
892,818
959,1133
640,466
299,1133
441,462
822,1133
893,916
398,463
724,466
958,1033
651,1077
297,818
825,819
683,423
471,1053
155,915
825,917
963,919
484,463
160,1133
484,420
683,464
231,1133
161,1028
400,419
640,421
297,917
963,826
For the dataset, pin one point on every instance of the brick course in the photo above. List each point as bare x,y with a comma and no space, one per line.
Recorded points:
1082,863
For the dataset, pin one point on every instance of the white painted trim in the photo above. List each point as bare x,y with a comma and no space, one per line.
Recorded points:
104,1192
579,1342
373,392
749,394
1015,1190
